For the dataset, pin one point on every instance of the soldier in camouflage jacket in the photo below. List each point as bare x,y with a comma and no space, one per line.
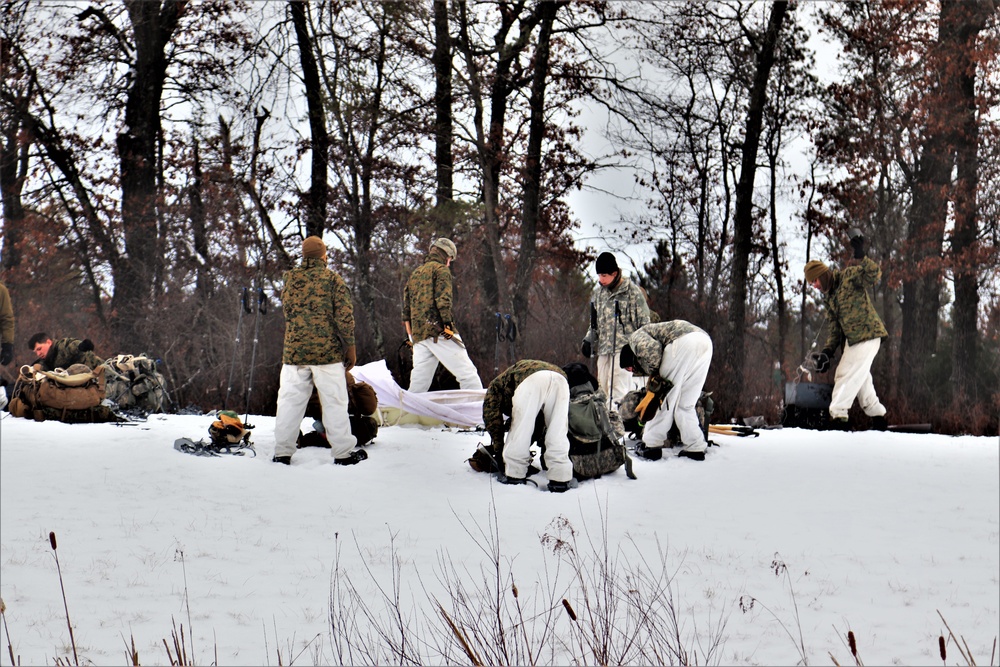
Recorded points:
607,333
62,353
676,355
524,390
430,324
856,325
319,349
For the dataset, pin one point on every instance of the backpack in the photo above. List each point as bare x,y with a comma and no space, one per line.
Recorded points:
229,435
72,395
133,383
595,446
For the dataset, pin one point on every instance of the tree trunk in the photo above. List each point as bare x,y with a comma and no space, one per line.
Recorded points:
317,196
153,24
444,161
743,220
954,72
532,172
963,241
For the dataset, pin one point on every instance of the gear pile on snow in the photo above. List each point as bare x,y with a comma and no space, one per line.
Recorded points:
134,384
229,435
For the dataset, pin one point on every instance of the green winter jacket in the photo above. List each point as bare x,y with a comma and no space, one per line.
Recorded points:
427,297
65,352
849,309
500,395
6,316
648,342
633,311
319,315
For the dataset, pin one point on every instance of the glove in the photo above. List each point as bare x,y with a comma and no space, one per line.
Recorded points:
822,360
858,243
585,349
640,409
6,353
448,331
86,345
350,358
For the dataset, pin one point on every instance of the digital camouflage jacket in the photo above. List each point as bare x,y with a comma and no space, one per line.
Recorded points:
500,395
849,309
427,297
634,313
319,315
65,352
648,342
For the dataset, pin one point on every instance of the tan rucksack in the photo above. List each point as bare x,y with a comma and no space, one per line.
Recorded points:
39,393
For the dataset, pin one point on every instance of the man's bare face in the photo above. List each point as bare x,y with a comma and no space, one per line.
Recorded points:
42,349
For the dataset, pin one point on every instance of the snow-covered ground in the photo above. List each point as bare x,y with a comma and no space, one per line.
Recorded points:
795,533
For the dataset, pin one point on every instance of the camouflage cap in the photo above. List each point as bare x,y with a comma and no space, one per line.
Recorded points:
447,245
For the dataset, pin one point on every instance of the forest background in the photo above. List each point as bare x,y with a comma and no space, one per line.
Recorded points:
161,162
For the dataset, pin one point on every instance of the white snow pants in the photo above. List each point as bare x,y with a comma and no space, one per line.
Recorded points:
685,363
546,392
427,354
293,399
854,380
624,381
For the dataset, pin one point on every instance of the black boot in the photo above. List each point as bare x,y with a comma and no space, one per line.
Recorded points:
357,456
879,423
504,479
694,456
650,453
838,425
560,487
287,460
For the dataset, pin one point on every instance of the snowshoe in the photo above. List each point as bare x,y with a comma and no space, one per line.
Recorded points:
202,448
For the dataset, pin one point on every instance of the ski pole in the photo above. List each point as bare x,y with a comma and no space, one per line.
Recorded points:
594,337
614,356
511,336
261,310
244,306
496,345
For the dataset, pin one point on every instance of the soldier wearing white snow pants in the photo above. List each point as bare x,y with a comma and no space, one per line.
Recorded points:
679,353
319,350
429,322
524,390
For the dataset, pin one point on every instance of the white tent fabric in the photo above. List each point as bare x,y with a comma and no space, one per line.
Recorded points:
458,407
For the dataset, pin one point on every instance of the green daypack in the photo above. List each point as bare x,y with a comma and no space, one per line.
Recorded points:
595,435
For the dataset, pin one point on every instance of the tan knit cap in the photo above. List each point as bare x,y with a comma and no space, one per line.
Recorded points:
313,248
815,269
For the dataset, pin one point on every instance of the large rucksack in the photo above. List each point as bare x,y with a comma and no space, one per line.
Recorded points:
595,434
72,395
134,384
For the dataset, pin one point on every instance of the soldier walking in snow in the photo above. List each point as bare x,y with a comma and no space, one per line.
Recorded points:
855,324
618,308
524,390
319,350
676,355
430,324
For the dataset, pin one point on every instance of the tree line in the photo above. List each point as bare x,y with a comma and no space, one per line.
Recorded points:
159,156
